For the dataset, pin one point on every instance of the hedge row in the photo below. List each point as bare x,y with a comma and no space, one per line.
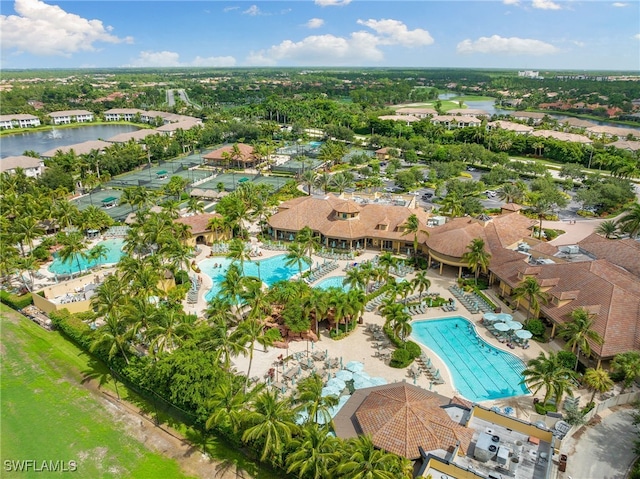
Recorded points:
15,301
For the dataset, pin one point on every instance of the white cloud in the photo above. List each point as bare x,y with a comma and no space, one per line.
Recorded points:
358,48
511,2
578,43
314,23
506,46
43,29
332,3
172,59
253,10
619,4
394,32
230,9
545,5
637,36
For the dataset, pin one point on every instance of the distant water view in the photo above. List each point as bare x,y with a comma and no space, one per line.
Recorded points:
41,141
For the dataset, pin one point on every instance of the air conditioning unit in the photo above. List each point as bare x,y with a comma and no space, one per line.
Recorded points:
573,249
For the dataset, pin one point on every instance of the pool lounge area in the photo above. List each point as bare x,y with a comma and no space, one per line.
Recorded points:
480,371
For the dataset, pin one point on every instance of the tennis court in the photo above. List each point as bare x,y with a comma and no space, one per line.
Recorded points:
158,176
232,180
109,200
295,166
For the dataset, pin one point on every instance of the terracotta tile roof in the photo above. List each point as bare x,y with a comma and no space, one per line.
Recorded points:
562,136
597,285
78,148
511,126
320,215
452,238
545,248
198,223
246,153
621,252
132,135
404,418
21,161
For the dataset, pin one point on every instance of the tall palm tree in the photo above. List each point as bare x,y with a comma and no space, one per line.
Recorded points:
253,332
597,380
26,230
113,334
579,333
421,282
309,177
315,453
362,460
386,260
530,289
97,253
452,205
629,222
296,255
355,279
225,341
73,248
477,257
549,373
608,229
510,193
231,287
227,403
323,180
309,397
194,205
170,330
309,239
628,366
29,264
238,253
412,226
271,424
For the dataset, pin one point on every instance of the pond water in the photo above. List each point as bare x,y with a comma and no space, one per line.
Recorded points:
41,141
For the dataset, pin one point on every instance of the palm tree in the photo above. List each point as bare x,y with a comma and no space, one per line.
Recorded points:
579,333
309,397
114,334
315,453
26,230
252,331
171,329
296,254
226,342
548,373
598,381
73,247
29,264
362,460
607,228
412,226
403,327
309,177
271,423
421,282
627,365
194,205
510,193
477,257
238,253
530,289
323,180
386,260
227,403
629,222
355,279
452,205
231,286
97,253
309,239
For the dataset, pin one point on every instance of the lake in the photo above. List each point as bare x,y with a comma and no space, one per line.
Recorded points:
41,141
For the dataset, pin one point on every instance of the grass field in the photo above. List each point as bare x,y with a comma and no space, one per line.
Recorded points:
48,415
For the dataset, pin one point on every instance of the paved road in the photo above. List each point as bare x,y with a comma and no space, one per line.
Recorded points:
604,451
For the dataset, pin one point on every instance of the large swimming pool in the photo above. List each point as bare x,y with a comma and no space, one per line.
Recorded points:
271,271
333,282
480,371
114,253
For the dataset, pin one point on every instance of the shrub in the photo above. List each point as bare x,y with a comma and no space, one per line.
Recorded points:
41,253
568,359
543,410
464,174
413,349
401,358
535,327
16,301
550,234
72,327
182,277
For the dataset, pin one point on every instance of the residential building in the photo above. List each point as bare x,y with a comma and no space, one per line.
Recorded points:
137,136
417,112
517,128
121,114
200,233
467,112
535,117
611,131
407,119
243,157
8,122
451,121
32,167
70,116
78,148
562,136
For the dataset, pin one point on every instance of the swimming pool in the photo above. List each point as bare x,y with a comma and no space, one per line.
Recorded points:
315,144
333,282
114,253
480,372
271,271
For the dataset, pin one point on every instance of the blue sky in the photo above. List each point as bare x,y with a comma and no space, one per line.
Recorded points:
531,34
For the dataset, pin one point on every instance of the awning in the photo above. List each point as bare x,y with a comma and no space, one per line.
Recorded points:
162,173
243,180
111,199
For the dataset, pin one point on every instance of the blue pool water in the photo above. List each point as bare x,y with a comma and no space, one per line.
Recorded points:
480,371
271,271
315,144
114,253
333,282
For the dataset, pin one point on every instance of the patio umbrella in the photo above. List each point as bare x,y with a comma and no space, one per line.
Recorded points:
344,375
504,317
524,334
502,327
514,325
377,381
336,383
490,317
327,391
354,366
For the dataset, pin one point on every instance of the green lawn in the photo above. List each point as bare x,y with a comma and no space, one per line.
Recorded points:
472,98
48,415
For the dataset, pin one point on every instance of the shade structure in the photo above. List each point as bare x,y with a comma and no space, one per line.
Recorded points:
344,375
327,391
490,317
336,383
524,334
502,327
354,366
362,380
514,325
404,418
504,317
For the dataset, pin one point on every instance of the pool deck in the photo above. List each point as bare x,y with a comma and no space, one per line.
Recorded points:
359,345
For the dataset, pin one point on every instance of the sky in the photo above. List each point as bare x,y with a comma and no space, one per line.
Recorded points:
522,34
